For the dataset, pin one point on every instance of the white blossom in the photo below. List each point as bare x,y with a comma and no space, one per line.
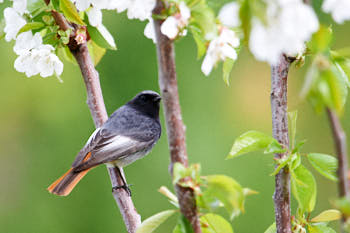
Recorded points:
149,31
175,24
50,64
220,48
140,9
20,6
106,35
229,15
290,23
340,9
13,23
95,16
34,57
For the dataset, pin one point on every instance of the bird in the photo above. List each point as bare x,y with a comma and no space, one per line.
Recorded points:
128,135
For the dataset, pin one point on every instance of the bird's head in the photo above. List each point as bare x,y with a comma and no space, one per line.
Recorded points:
146,102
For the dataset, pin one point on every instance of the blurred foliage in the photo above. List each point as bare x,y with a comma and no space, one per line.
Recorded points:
44,124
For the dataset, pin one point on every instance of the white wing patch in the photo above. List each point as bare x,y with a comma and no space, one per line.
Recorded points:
92,136
116,143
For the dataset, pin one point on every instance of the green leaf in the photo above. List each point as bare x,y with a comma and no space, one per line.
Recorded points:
55,4
326,165
293,125
226,70
271,229
228,191
319,228
203,16
283,162
304,188
248,142
275,148
327,215
2,26
70,12
321,40
245,16
343,204
179,172
183,226
150,224
65,53
33,5
96,52
213,223
199,39
31,26
101,37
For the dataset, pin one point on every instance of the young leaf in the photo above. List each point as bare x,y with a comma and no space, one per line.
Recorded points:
304,188
96,52
213,223
319,228
248,142
183,226
226,70
33,5
327,215
179,172
321,40
293,122
343,204
326,165
102,37
31,26
70,12
227,191
172,198
150,224
199,39
2,26
271,229
275,148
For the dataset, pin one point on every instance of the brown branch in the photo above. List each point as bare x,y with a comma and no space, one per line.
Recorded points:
174,124
339,138
99,114
279,78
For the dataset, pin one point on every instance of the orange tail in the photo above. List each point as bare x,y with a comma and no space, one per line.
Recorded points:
65,184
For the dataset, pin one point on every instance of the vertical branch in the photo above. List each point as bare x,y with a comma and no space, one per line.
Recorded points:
281,197
339,138
99,114
174,124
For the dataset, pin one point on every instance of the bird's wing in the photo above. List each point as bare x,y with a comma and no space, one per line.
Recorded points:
105,148
93,141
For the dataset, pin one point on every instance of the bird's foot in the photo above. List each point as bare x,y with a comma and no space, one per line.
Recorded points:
125,187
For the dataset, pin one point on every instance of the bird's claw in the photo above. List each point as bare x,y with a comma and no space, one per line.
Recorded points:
125,187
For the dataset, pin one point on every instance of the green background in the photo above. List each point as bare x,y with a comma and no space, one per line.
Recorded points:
44,123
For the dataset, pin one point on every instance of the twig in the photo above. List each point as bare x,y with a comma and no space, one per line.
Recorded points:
339,138
173,118
279,78
99,114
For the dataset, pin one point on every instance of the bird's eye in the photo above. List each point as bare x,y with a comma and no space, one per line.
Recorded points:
143,98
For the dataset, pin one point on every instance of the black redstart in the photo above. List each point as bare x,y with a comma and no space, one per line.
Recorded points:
128,135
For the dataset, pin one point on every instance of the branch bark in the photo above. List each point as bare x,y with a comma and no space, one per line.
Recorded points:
174,124
99,114
281,197
339,138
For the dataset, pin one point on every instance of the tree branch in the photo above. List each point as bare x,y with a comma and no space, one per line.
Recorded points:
339,138
99,114
279,84
174,124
